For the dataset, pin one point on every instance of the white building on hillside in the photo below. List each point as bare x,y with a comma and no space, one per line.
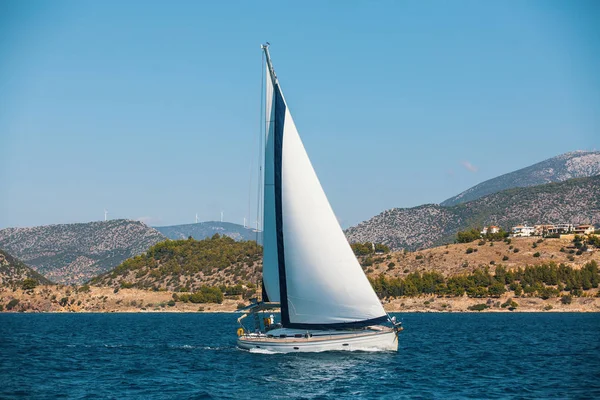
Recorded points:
561,229
584,229
490,229
522,230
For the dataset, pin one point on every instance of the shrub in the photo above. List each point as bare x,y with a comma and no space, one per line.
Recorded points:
29,284
518,290
171,303
510,303
84,289
536,254
481,243
64,301
12,304
548,307
391,266
418,256
566,299
469,250
478,307
516,250
505,258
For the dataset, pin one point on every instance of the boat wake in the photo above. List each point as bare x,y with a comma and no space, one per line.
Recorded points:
263,351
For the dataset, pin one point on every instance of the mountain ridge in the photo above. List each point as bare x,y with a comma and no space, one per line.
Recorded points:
575,200
575,164
207,229
74,253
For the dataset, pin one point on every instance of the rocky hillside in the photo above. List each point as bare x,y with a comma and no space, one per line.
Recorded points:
13,271
74,253
577,164
576,200
207,229
187,265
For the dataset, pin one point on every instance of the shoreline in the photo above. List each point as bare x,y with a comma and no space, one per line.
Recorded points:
59,300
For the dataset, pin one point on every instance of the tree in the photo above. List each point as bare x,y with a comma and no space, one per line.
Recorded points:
29,284
497,289
468,236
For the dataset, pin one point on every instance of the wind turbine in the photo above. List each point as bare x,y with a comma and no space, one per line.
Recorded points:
221,216
196,217
105,215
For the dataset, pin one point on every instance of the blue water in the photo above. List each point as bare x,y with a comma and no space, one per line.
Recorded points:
193,356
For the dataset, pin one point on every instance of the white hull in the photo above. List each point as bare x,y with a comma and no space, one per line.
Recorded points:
376,339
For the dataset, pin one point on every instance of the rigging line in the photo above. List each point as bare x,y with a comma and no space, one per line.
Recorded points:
259,193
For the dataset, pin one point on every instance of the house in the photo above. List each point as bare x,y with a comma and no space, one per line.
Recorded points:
584,229
490,229
541,230
561,229
522,230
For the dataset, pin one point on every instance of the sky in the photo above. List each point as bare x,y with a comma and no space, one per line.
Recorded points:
151,109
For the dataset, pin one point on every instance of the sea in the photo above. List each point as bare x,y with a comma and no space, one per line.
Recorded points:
194,356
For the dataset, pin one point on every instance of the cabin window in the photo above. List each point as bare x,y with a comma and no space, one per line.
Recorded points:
282,336
269,336
298,335
296,348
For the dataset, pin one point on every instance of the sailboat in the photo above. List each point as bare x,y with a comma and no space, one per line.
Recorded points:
310,272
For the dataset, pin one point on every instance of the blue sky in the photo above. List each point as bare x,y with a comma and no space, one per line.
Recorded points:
151,109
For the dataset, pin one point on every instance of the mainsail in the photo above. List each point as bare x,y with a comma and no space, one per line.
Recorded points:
308,265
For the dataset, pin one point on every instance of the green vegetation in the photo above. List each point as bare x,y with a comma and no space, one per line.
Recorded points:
545,281
171,264
29,284
468,236
478,307
366,248
206,294
510,303
472,234
12,304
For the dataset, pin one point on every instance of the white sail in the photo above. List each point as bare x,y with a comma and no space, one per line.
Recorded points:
320,282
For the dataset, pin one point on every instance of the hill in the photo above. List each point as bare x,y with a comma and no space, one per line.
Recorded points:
74,253
455,259
575,200
520,274
187,265
207,229
577,164
13,271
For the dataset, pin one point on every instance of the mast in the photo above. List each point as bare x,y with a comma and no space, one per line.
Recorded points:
265,48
